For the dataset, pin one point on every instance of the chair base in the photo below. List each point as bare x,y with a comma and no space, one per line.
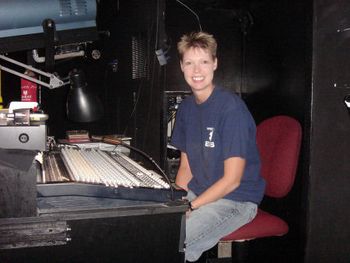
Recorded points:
237,252
224,249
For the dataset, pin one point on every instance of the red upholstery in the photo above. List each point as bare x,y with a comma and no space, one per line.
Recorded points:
263,225
278,140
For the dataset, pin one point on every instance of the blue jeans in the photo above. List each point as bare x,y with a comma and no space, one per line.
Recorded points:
206,225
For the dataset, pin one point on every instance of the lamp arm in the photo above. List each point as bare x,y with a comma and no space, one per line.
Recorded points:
54,81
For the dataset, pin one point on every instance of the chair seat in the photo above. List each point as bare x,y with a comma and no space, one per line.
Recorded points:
263,225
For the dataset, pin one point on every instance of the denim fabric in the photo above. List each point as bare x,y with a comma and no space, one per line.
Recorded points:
206,225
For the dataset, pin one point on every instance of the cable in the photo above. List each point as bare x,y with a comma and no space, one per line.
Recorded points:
135,101
152,82
194,13
157,27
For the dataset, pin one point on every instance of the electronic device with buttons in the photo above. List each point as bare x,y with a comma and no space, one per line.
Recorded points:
31,137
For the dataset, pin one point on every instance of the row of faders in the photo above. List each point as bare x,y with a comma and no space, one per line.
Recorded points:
108,168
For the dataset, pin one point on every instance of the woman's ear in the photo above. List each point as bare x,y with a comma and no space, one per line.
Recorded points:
215,63
181,66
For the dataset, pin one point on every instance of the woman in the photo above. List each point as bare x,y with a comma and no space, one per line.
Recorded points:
219,164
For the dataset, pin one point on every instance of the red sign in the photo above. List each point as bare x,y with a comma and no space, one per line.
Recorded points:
28,91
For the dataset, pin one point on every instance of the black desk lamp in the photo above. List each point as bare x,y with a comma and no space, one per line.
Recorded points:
82,105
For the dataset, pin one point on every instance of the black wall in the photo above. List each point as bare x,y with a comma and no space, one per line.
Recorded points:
328,195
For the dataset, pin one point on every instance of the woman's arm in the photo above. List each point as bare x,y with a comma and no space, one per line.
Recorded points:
184,174
233,172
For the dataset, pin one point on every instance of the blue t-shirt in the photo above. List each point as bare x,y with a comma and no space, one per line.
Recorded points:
213,131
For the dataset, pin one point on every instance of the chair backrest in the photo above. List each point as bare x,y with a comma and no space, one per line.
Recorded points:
279,140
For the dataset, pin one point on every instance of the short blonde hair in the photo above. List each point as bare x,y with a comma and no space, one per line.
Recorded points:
197,40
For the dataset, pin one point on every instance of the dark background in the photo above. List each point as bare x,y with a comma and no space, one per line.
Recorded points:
282,57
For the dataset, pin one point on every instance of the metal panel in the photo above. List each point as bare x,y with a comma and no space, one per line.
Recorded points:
33,234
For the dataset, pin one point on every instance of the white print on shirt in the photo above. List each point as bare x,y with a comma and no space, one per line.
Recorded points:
210,143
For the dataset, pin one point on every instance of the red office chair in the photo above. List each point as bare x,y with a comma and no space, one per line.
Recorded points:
278,140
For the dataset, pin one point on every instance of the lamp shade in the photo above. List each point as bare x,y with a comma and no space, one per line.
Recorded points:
82,105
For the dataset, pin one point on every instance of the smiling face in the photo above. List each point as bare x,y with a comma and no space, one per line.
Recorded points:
198,66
